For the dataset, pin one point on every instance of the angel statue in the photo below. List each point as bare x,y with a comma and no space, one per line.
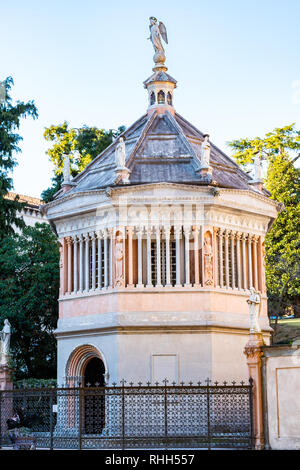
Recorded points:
158,31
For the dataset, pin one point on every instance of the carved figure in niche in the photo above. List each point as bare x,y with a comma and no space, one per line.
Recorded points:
208,259
119,258
254,303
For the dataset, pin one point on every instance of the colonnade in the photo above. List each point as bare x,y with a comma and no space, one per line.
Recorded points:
162,257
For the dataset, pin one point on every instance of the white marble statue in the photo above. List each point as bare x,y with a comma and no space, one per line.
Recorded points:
120,153
205,152
5,342
66,171
157,31
254,310
257,168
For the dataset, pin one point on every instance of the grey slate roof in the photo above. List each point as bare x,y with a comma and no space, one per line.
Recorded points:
162,148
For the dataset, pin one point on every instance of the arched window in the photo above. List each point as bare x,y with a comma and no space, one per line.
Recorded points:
169,98
161,97
152,98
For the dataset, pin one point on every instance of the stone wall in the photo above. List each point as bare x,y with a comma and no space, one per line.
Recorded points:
281,386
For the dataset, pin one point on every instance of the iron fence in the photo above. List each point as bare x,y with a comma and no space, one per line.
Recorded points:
131,417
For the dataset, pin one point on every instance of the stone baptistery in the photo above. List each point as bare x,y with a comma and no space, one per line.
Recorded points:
161,238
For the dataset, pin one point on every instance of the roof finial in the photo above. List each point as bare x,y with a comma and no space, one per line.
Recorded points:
158,31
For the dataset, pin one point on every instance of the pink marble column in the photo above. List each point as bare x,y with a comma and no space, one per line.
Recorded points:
196,231
130,260
69,242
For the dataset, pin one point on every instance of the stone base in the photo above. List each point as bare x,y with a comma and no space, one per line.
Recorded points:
5,378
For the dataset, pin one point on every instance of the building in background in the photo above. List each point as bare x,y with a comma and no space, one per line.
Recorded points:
31,212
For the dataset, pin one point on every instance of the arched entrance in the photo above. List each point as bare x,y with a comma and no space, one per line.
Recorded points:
94,397
86,368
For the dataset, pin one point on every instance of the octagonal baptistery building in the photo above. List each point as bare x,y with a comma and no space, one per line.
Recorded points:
161,237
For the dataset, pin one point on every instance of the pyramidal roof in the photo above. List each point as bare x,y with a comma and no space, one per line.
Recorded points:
162,147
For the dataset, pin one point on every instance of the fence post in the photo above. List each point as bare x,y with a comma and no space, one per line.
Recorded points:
253,352
123,414
166,412
51,419
0,419
208,413
251,412
81,396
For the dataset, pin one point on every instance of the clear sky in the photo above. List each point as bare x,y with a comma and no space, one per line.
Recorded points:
236,63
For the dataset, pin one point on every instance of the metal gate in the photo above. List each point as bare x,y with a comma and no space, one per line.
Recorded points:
132,417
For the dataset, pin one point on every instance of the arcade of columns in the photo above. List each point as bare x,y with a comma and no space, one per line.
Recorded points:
198,257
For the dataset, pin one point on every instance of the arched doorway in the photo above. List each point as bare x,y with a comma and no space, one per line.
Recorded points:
94,396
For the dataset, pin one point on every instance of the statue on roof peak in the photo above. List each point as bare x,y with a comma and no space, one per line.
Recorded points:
158,31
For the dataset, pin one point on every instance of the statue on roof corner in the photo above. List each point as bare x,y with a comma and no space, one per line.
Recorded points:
205,152
120,153
158,31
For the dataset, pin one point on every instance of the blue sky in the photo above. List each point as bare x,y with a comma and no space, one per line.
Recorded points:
236,63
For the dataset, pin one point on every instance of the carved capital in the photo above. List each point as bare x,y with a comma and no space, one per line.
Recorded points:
69,240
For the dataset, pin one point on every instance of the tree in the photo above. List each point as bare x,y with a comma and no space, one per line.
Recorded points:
280,149
29,283
10,118
82,145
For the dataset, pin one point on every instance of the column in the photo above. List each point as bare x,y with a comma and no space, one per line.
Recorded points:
254,352
227,260
221,231
130,255
249,262
93,261
232,236
140,257
61,267
177,231
105,235
187,232
255,266
75,265
149,272
158,265
168,257
238,260
215,252
99,264
244,236
81,263
69,249
196,255
86,262
110,260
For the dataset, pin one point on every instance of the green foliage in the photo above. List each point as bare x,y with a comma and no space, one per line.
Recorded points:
282,242
29,283
82,145
10,117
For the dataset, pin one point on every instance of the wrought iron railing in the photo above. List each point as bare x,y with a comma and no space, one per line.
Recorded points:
132,416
